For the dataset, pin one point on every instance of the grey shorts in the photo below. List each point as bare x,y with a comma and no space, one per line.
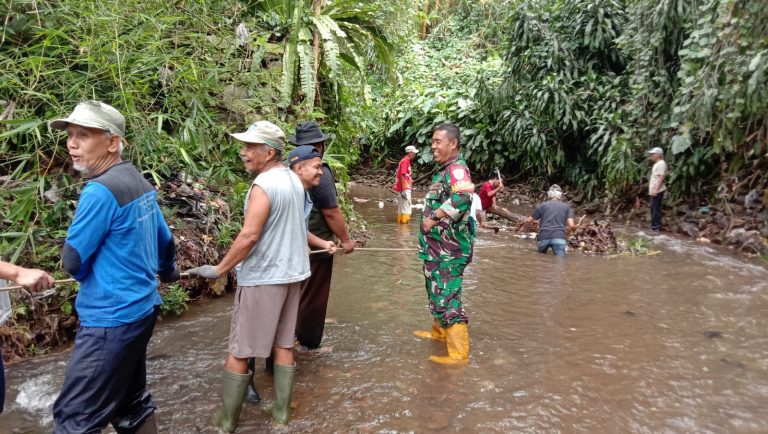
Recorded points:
264,317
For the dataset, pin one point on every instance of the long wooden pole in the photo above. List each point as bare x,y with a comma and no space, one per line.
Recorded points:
313,252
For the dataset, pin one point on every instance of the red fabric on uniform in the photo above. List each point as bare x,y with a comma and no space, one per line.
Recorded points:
403,177
485,200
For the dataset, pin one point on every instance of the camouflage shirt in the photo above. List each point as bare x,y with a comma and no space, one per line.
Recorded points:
451,239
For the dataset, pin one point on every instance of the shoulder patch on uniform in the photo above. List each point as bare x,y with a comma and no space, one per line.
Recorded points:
460,180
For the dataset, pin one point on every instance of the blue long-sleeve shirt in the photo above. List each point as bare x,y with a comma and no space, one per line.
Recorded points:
115,245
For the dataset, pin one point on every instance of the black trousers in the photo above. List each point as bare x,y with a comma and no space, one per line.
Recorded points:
315,292
656,211
106,380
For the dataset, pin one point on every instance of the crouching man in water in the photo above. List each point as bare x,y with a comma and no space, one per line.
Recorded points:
271,250
555,219
116,244
446,245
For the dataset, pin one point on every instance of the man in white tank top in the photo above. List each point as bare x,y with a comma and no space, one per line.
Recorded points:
271,252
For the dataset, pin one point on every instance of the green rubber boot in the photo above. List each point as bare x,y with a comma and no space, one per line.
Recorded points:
234,387
281,410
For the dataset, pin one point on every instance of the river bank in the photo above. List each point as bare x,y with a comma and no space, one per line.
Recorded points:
738,222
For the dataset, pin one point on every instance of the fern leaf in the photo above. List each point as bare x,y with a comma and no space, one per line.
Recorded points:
305,71
289,74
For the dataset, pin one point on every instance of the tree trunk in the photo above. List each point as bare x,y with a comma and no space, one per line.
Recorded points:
426,19
317,8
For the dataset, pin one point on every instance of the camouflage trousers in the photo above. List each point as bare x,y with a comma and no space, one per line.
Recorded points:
443,283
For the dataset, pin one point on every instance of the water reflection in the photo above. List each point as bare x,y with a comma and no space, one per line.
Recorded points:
672,343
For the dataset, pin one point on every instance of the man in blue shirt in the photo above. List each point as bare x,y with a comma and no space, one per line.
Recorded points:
116,244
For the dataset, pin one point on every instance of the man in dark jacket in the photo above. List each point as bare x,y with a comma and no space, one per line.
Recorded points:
327,222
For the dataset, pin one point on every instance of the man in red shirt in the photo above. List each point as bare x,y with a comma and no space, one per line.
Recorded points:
403,185
487,193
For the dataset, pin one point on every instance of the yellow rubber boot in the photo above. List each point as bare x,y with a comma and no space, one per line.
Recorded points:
399,218
406,218
457,339
437,333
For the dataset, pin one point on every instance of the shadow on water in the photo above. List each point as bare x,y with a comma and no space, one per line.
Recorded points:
666,344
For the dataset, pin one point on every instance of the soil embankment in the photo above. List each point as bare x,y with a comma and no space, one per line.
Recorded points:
196,213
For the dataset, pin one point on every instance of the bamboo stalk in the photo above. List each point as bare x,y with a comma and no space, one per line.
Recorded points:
313,252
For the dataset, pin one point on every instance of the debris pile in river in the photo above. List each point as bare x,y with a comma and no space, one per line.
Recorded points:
38,323
527,227
596,237
198,217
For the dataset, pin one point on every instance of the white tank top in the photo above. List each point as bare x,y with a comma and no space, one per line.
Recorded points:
280,256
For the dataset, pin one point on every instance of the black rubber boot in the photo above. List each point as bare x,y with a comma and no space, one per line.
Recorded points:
252,395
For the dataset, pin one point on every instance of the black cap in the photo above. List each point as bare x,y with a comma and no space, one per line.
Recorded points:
308,133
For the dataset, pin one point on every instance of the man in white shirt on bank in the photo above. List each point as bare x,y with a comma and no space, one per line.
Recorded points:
656,186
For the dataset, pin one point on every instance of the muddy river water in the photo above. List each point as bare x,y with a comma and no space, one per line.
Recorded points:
673,343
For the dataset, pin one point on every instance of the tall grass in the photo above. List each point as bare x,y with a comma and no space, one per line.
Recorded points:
175,70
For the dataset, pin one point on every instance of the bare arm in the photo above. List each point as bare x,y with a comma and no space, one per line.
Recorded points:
335,220
253,225
29,278
319,243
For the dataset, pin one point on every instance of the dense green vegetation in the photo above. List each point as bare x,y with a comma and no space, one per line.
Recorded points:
586,86
184,74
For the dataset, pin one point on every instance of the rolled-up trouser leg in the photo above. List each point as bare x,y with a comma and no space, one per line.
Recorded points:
315,292
444,285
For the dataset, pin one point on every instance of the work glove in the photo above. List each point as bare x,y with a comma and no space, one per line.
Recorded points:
205,271
173,276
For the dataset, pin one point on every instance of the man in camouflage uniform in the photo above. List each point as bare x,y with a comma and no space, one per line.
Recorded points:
446,245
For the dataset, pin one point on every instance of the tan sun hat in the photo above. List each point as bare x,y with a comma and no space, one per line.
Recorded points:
263,132
93,114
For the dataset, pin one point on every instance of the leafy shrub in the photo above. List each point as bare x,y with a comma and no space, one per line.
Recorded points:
175,299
